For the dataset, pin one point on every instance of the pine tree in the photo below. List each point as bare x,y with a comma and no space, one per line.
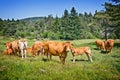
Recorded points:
113,10
74,24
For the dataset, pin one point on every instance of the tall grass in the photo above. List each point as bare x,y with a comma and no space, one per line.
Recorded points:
103,67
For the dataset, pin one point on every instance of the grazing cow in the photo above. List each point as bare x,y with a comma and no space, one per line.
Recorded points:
100,44
108,45
57,49
8,51
23,47
80,51
14,46
37,48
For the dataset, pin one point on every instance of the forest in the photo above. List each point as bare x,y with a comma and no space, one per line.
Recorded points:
71,26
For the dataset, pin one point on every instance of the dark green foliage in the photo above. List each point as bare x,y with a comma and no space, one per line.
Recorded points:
113,10
72,25
116,1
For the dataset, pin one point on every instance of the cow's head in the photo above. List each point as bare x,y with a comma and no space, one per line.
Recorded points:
8,45
68,46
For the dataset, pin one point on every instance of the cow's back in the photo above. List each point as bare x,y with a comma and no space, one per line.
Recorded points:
80,50
54,48
15,45
100,44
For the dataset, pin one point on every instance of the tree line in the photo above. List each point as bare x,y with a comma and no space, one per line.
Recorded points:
72,25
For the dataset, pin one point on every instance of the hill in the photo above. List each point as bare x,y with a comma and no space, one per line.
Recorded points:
32,19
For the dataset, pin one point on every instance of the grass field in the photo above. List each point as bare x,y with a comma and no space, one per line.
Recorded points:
103,67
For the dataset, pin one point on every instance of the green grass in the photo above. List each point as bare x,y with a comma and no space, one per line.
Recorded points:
103,67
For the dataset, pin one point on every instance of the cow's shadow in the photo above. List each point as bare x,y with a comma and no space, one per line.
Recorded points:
77,60
96,49
101,51
53,60
45,59
104,52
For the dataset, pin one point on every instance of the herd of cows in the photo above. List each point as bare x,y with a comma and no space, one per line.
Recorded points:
52,48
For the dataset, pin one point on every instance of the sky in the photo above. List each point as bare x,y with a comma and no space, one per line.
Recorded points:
19,9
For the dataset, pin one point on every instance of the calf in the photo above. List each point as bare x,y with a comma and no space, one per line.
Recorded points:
80,51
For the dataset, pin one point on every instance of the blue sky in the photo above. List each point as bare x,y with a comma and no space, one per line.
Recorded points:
19,9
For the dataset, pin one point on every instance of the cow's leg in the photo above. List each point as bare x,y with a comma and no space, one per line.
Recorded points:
89,57
62,59
110,49
38,53
50,56
25,53
73,59
34,52
13,52
43,52
22,53
19,52
47,54
106,51
16,52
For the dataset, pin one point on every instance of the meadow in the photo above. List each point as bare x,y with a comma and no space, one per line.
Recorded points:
103,67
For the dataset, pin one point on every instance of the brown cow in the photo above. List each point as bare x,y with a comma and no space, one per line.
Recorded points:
100,44
80,51
57,49
108,45
14,46
37,48
8,51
